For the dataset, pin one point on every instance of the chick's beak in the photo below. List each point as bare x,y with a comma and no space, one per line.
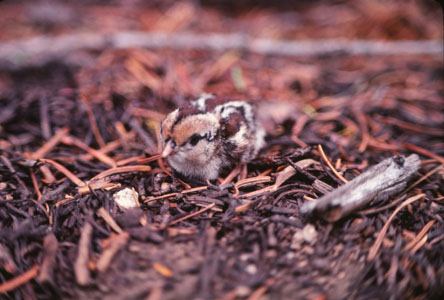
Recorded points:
167,149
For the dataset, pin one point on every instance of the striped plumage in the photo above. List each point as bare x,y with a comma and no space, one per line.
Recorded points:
210,134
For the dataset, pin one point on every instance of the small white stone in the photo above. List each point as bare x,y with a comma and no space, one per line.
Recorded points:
297,240
251,269
244,256
242,291
290,255
125,199
309,233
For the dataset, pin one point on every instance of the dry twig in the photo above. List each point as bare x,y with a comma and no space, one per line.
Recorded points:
378,183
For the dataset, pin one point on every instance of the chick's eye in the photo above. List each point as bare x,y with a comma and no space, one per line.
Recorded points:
194,139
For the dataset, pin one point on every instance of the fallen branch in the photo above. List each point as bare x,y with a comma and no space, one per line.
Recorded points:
378,183
40,50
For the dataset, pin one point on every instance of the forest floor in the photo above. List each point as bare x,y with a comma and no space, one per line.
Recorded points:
79,121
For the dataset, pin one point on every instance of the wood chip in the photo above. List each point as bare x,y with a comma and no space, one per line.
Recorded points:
81,270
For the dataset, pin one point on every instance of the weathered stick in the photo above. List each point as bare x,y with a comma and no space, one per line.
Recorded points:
36,51
378,183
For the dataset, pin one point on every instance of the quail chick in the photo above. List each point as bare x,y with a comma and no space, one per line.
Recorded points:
209,135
